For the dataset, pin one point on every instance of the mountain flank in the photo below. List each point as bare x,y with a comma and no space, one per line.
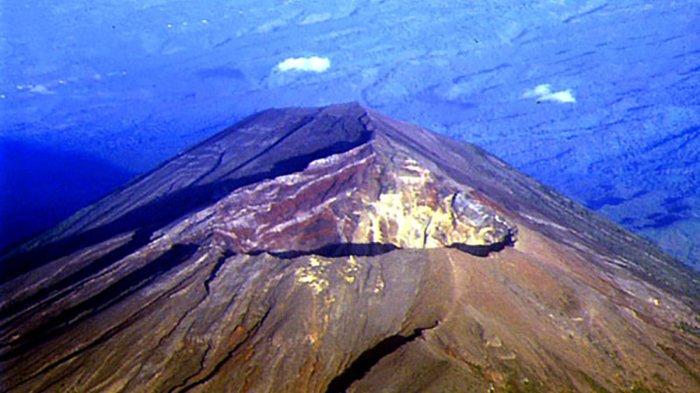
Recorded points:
336,249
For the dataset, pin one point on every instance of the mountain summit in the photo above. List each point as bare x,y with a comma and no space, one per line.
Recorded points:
335,249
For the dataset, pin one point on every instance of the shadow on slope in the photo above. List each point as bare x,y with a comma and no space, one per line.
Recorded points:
338,250
41,185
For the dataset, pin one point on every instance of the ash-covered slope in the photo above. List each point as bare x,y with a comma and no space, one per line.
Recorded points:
336,249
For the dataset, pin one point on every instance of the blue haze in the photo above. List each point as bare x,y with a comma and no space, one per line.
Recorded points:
126,84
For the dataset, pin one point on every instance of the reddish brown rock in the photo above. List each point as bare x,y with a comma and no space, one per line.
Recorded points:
333,249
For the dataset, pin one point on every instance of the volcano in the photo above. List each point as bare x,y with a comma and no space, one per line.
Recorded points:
336,249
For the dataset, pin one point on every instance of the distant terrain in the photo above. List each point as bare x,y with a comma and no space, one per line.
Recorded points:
599,99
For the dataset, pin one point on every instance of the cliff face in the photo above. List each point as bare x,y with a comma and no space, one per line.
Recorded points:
336,249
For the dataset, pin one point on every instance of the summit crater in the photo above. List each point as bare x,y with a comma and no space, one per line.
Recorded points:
368,195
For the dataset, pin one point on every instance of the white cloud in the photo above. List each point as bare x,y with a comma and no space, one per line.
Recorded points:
564,96
39,89
544,92
305,64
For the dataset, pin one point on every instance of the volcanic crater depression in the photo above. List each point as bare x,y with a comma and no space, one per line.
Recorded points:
355,199
336,249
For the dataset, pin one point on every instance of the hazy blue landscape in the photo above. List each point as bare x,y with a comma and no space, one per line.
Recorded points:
598,99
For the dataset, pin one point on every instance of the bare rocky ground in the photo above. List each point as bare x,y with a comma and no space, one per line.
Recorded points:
336,249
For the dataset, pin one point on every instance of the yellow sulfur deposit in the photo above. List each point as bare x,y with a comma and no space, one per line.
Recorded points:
413,215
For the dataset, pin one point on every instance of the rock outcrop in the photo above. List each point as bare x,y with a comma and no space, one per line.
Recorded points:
335,249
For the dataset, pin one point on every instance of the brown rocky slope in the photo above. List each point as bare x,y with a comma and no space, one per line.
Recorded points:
335,249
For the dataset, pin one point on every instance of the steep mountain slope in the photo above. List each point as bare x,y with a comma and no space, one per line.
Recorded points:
337,249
